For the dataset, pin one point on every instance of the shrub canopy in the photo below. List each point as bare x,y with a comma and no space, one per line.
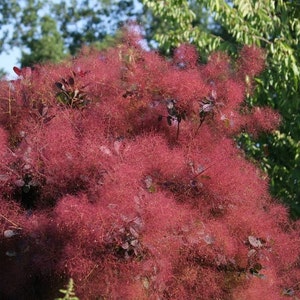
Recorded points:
118,169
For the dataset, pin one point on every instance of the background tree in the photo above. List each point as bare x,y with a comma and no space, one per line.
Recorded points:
48,30
273,26
44,46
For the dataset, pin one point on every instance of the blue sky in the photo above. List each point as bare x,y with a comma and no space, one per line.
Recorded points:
9,60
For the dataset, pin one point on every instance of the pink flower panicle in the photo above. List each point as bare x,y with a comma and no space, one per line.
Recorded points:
251,61
186,56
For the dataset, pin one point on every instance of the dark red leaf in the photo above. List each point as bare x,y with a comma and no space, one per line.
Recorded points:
17,71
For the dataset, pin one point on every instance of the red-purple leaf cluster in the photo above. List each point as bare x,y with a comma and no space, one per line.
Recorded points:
139,193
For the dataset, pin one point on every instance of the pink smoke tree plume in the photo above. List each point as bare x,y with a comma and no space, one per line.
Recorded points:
119,169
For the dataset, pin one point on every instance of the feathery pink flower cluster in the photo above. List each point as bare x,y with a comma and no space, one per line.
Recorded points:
118,169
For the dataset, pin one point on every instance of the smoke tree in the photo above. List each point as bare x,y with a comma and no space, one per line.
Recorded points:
119,170
271,25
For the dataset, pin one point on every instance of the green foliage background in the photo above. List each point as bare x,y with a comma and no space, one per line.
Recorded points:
52,30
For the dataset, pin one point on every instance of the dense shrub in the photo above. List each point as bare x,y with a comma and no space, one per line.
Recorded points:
118,169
